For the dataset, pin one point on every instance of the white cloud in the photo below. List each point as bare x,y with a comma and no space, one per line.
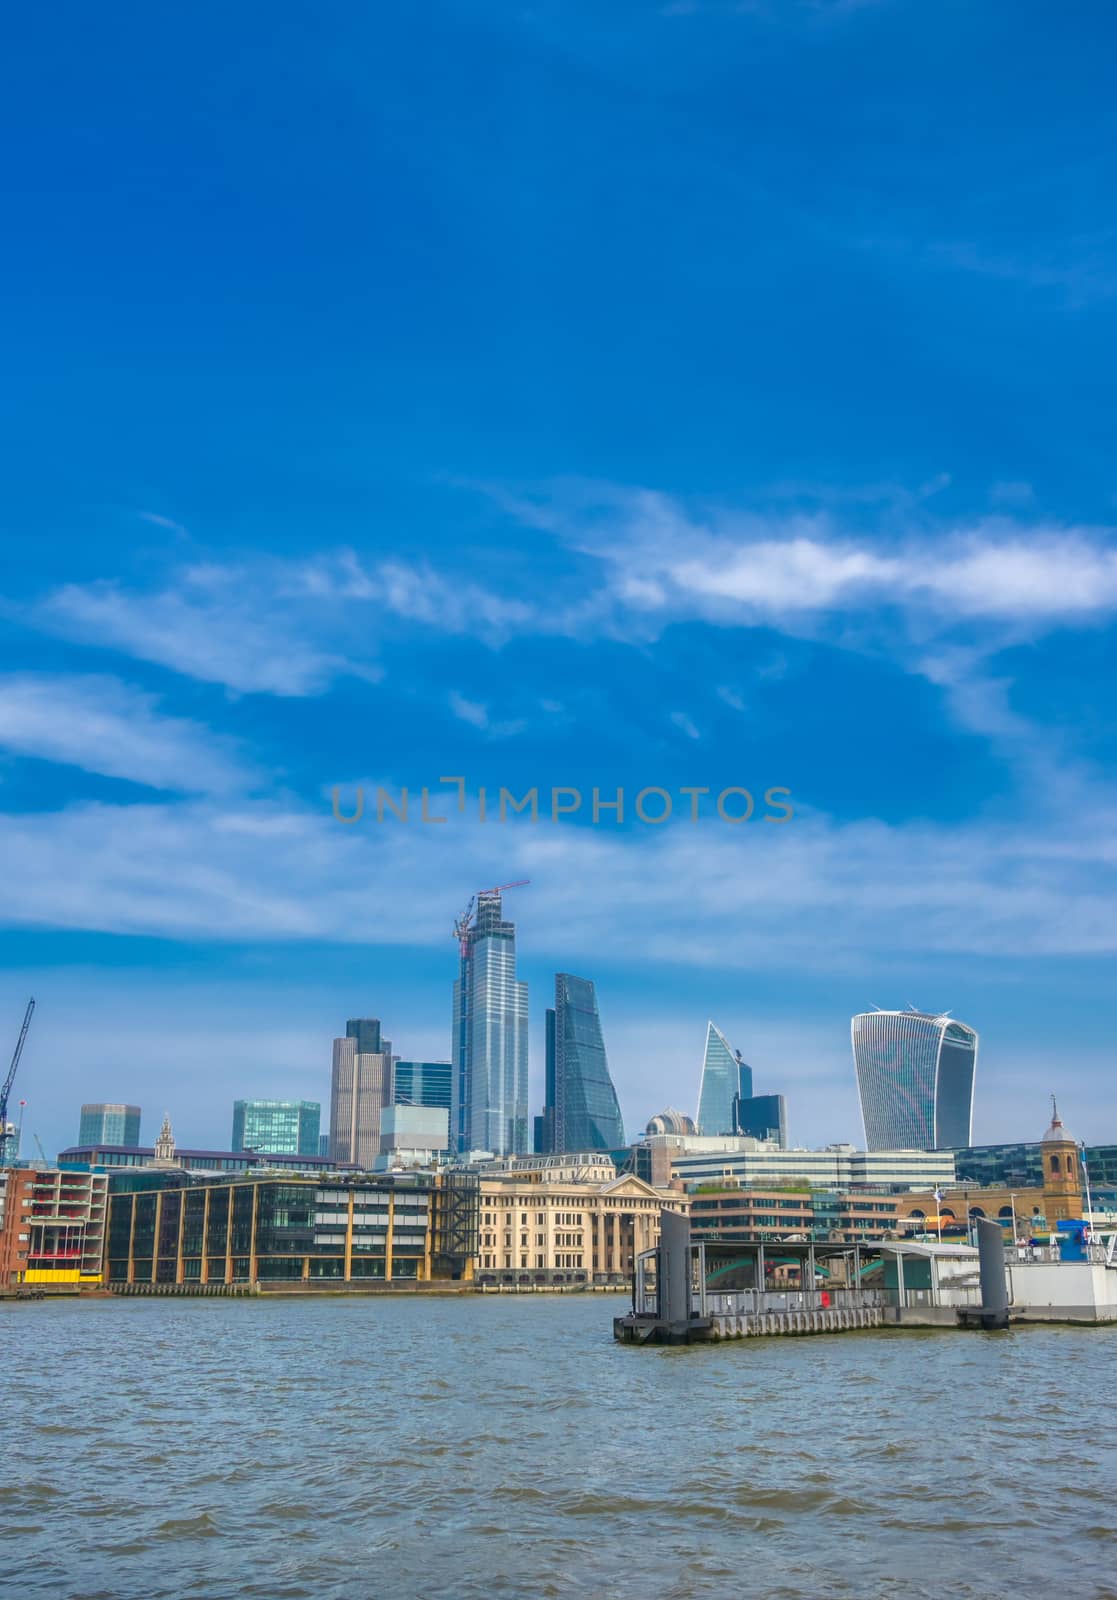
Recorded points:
218,624
103,725
471,711
882,893
685,724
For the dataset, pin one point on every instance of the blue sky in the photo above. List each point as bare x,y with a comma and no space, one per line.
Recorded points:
628,394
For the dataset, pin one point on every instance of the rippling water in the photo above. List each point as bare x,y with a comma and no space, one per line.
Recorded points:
507,1447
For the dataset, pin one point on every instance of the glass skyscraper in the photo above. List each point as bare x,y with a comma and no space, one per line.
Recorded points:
915,1079
109,1124
422,1083
725,1077
277,1127
489,1044
582,1112
762,1116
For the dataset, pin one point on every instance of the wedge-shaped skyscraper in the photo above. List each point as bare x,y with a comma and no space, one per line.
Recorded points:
915,1079
582,1111
725,1078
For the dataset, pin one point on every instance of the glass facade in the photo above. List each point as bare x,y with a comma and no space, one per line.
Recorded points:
280,1127
109,1124
725,1077
762,1116
490,1039
360,1088
915,1079
584,1113
270,1231
422,1083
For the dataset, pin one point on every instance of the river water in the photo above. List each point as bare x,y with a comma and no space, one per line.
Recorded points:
506,1447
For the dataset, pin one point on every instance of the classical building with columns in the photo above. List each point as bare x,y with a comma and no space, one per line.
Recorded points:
561,1224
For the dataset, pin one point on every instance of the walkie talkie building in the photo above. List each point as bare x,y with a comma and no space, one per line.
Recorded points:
915,1079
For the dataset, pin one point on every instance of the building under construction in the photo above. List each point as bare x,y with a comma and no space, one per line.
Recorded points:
52,1227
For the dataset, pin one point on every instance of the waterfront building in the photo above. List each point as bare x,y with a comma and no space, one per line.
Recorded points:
136,1157
291,1230
1036,1208
915,1079
282,1127
746,1160
762,1116
582,1111
490,1036
547,1227
52,1227
360,1088
104,1123
1021,1165
723,1214
725,1078
422,1083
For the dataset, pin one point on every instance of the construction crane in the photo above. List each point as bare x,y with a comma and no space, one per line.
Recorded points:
464,923
8,1129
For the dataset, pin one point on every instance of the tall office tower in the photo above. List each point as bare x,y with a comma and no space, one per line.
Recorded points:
422,1083
109,1124
360,1088
324,1145
915,1079
581,1111
725,1077
277,1127
761,1116
490,1036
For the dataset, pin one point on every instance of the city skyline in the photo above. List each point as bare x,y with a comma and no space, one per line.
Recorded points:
646,466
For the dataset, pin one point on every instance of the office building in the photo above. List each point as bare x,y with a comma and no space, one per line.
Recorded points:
582,1111
1021,1165
52,1227
415,1129
754,1215
762,1116
693,1160
291,1230
725,1077
116,1157
283,1127
422,1083
490,1035
360,1088
915,1079
324,1145
109,1124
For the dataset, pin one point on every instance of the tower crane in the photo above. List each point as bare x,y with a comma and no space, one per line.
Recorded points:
464,923
8,1129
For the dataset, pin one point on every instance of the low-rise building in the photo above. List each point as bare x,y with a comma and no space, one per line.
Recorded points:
750,1215
52,1227
839,1167
552,1221
168,1228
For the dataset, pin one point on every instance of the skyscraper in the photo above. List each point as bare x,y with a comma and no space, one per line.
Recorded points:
360,1088
109,1124
490,1033
915,1079
762,1116
581,1111
725,1077
277,1127
422,1083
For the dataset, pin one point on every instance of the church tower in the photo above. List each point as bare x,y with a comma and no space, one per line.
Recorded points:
165,1147
1062,1178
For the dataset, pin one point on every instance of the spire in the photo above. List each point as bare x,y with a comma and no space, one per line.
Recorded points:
165,1143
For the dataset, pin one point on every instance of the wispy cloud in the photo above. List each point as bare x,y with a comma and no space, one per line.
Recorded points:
886,894
105,726
219,624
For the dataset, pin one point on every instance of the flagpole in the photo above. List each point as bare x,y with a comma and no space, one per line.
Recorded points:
938,1208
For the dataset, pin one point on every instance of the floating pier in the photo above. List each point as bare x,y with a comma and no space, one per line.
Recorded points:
687,1293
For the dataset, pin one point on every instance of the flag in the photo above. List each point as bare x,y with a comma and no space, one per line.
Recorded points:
938,1195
